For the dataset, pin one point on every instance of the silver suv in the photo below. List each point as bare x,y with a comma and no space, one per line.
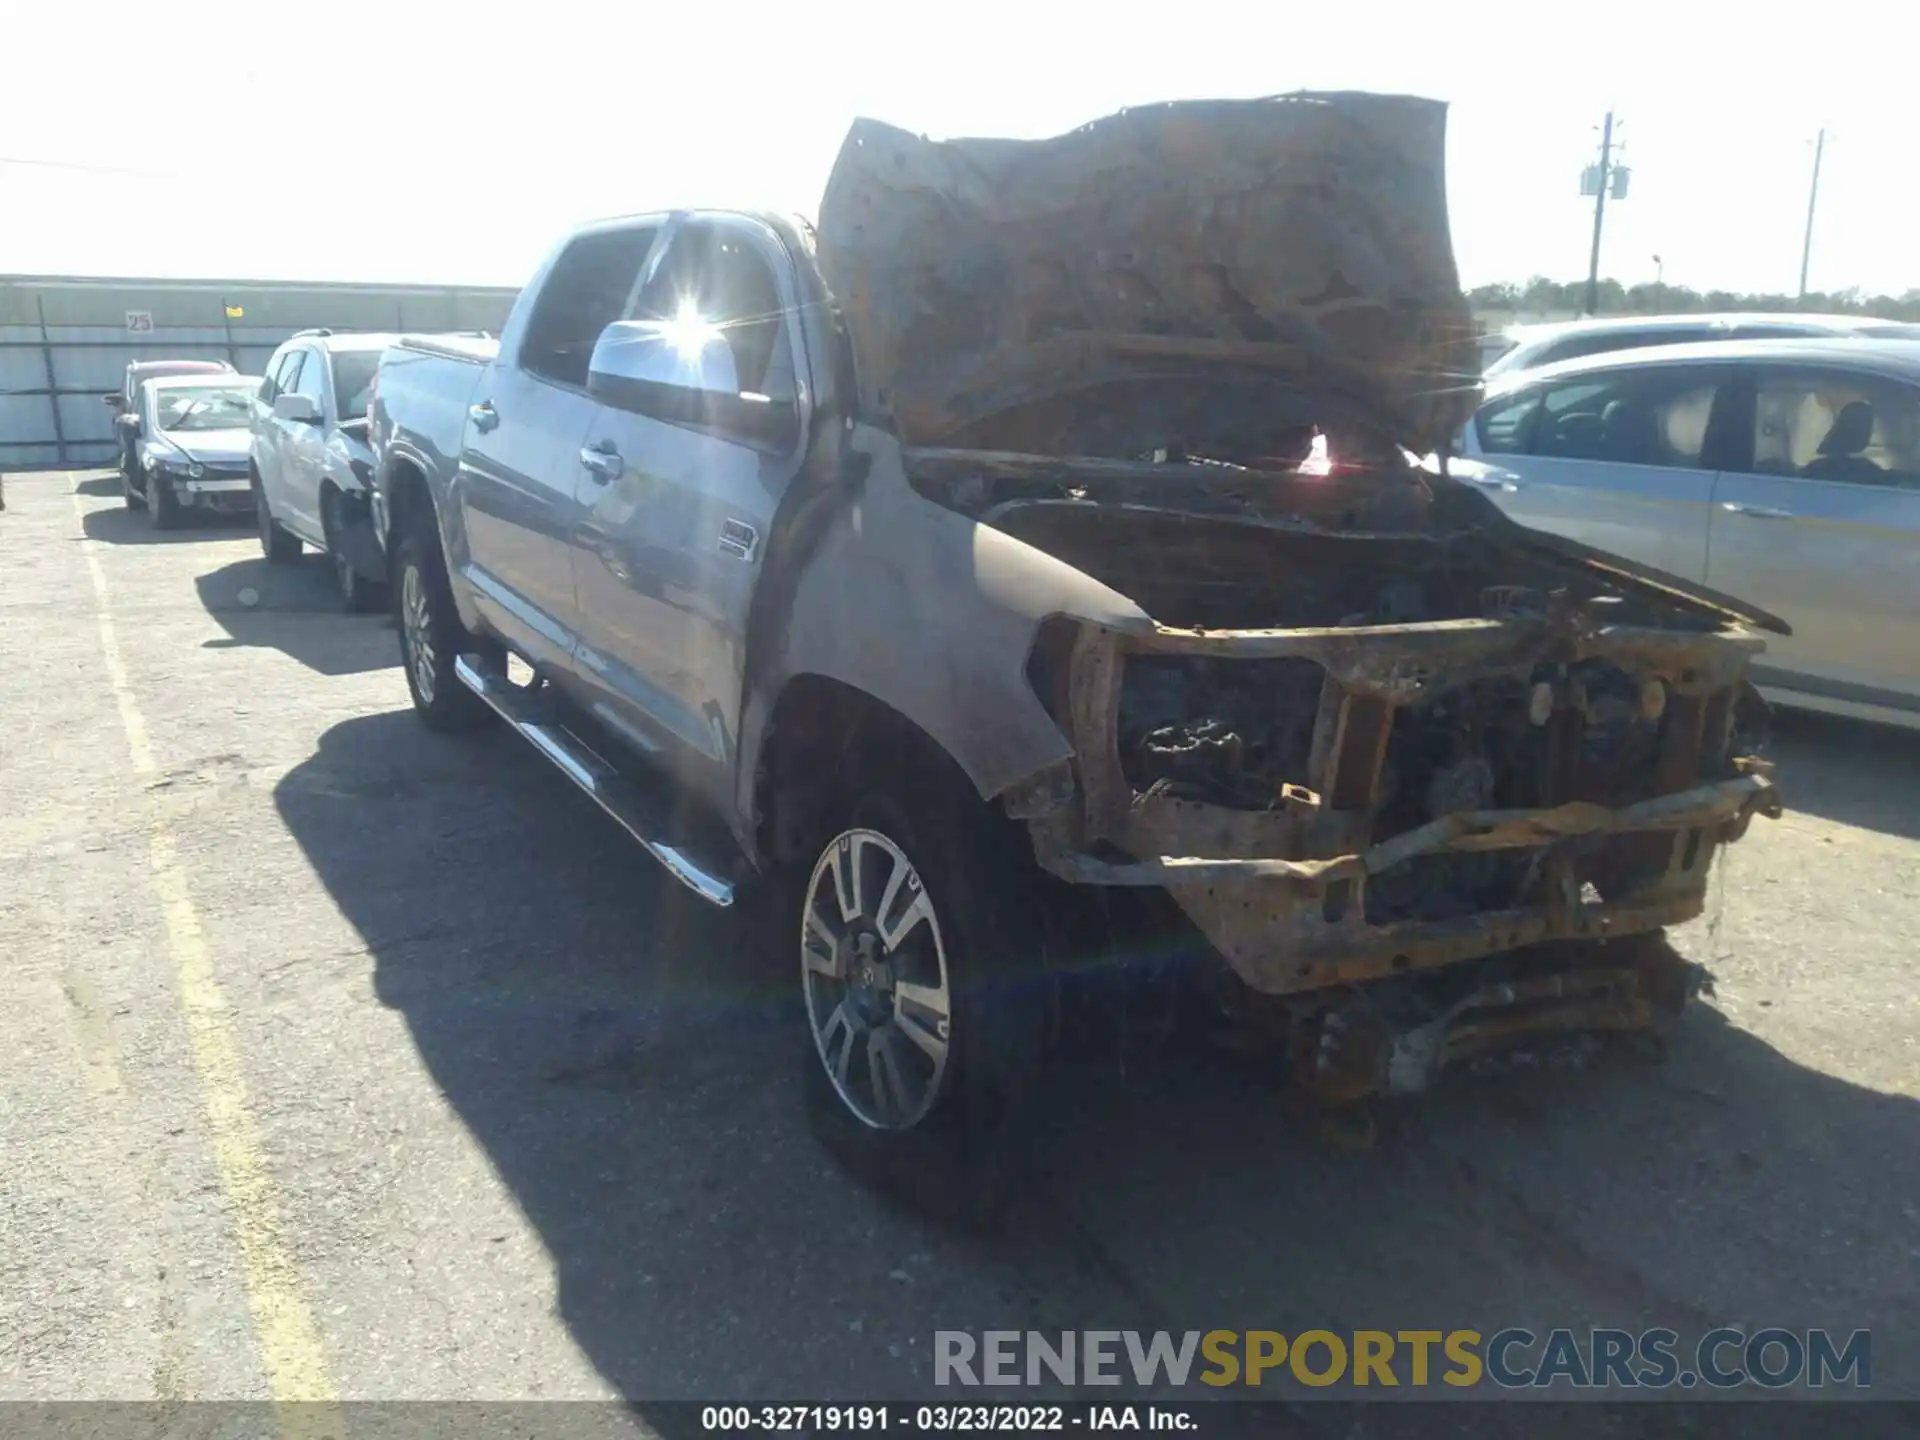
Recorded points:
310,463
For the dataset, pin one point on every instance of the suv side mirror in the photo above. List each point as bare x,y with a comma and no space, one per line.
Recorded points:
113,401
685,375
301,409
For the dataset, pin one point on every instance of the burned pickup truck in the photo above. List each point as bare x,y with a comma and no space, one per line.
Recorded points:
1048,527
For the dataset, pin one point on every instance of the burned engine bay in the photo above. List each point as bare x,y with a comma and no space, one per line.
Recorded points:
1378,728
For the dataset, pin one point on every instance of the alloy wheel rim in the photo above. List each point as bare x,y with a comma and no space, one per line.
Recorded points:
417,631
873,966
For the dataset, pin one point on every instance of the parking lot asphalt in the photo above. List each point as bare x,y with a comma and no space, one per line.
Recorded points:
341,1060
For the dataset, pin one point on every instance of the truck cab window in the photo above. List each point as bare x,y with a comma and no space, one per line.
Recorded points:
725,281
585,293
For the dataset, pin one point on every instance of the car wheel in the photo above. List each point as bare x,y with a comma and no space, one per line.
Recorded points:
135,500
432,637
923,977
163,506
276,544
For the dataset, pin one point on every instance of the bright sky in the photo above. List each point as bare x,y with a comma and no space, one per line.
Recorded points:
455,143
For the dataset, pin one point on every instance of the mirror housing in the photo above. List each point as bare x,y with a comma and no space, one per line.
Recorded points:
684,376
112,401
300,409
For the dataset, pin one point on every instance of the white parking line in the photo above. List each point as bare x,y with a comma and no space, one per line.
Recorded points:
291,1350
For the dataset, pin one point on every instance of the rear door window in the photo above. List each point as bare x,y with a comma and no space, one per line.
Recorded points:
1831,425
586,290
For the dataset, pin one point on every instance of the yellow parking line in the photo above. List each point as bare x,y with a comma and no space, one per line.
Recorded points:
291,1351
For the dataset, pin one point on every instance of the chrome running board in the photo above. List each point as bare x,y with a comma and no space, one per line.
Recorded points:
628,802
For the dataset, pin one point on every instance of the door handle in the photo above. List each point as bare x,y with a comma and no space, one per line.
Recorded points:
603,461
1756,512
1494,482
483,416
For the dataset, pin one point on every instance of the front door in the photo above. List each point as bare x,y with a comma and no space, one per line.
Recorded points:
1617,459
1820,523
674,519
526,423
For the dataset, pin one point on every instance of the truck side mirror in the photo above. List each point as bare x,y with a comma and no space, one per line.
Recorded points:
683,373
112,401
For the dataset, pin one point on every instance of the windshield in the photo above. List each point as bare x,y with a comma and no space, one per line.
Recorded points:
202,407
353,380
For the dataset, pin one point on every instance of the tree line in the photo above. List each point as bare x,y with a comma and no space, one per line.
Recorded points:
1544,295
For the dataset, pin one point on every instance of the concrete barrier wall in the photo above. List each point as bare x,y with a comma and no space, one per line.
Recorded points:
65,342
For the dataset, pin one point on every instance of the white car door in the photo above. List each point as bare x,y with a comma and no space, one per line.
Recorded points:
1819,522
1618,459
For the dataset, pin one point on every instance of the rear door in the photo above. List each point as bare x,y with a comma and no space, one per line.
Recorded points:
1819,521
1619,459
674,518
526,424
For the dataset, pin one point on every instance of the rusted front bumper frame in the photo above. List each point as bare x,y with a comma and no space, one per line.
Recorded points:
1281,892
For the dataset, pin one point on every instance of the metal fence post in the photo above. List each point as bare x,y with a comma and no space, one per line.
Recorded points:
53,386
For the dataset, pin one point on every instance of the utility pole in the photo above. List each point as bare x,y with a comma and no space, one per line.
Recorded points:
1599,213
1813,196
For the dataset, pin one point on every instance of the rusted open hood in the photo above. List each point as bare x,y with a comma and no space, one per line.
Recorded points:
1157,277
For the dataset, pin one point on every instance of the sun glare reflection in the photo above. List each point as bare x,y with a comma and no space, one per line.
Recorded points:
688,332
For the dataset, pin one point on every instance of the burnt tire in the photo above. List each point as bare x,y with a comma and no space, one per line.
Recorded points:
431,635
953,1149
276,544
163,506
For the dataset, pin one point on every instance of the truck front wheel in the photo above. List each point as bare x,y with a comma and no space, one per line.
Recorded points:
431,636
925,991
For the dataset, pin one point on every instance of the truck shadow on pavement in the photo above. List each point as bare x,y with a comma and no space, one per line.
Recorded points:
627,1059
295,609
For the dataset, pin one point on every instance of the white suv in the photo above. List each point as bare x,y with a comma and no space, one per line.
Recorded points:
310,463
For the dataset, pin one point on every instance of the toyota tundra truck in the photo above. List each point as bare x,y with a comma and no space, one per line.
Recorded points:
1065,526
